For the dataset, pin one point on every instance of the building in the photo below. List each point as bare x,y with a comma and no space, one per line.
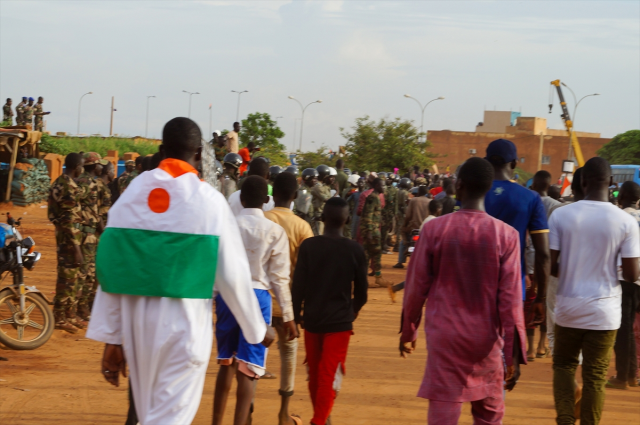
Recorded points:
530,135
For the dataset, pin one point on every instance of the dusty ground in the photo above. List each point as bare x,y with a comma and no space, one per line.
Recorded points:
60,382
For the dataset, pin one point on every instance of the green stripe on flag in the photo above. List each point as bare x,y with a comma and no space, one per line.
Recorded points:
157,264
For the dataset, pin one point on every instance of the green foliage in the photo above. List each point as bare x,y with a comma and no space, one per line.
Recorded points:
313,159
260,129
523,176
622,149
66,145
385,145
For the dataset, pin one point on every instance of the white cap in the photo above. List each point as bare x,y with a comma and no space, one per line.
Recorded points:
218,132
332,171
353,179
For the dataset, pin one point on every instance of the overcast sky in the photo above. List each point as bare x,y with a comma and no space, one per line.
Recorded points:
358,57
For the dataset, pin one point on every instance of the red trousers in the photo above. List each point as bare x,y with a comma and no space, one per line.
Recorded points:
326,355
488,411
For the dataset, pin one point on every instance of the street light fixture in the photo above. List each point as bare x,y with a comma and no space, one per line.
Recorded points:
79,104
146,127
190,94
422,109
575,110
238,109
304,108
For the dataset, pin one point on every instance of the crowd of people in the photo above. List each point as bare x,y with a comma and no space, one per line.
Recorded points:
278,253
27,112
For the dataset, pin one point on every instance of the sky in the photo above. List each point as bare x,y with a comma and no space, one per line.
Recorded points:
358,57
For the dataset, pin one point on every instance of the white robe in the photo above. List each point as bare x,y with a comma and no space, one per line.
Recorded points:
167,341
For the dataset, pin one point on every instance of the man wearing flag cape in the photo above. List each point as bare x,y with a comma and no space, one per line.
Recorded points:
169,239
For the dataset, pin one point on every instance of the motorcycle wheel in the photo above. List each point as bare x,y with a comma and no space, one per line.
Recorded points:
28,332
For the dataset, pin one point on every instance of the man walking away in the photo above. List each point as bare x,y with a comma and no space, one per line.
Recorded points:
587,237
158,314
464,360
625,346
285,188
417,211
541,184
330,268
449,198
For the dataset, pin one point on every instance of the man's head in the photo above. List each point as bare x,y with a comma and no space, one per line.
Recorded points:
596,175
93,163
541,182
258,167
129,165
74,164
554,192
146,163
138,164
340,164
236,127
285,187
108,171
423,190
503,155
378,185
335,213
251,146
474,179
361,183
181,139
254,192
576,185
156,159
310,176
629,194
435,208
40,99
31,100
416,169
9,101
24,99
449,186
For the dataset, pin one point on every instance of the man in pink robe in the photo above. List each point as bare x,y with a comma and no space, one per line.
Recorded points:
468,265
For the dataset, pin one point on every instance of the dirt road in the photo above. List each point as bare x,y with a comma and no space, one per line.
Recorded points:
61,382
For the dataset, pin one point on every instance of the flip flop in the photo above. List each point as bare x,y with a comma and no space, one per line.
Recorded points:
268,375
296,419
531,359
543,355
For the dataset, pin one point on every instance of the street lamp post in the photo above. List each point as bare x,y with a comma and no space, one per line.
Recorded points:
79,104
304,108
422,109
146,127
238,108
575,110
190,94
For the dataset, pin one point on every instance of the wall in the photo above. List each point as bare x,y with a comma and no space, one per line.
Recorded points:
494,121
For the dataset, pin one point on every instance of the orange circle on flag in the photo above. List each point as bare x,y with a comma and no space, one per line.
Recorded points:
159,200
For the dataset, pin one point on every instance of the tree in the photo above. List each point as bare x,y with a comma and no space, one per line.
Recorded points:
313,159
385,145
260,129
622,149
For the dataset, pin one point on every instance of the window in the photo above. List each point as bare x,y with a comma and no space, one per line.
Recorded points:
522,160
546,160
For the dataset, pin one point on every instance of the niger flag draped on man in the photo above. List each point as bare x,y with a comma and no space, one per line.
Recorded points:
170,243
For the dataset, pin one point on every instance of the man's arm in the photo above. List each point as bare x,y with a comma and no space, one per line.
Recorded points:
298,286
279,274
360,283
630,251
555,266
539,231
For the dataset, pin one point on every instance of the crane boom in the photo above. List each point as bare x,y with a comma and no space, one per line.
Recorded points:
568,123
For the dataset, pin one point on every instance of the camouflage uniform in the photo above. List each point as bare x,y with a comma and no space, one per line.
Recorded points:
401,208
123,178
220,152
302,205
320,193
104,200
127,181
90,219
370,227
388,213
27,114
7,115
65,213
346,193
37,109
20,112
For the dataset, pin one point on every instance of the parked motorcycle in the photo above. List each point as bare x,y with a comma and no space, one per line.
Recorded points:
26,320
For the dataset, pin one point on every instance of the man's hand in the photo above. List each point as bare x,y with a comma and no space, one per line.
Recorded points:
269,337
292,330
511,370
113,363
539,315
406,348
79,259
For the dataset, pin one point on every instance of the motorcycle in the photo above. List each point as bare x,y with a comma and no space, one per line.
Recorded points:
415,235
26,320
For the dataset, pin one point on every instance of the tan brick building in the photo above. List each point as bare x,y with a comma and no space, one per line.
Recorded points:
529,133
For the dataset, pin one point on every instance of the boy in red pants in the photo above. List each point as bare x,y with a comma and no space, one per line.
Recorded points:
328,266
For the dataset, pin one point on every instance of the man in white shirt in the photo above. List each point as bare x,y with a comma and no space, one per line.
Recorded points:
257,167
267,248
588,237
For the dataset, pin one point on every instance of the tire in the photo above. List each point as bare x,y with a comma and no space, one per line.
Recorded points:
39,314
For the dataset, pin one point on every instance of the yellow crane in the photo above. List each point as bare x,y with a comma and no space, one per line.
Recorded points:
567,121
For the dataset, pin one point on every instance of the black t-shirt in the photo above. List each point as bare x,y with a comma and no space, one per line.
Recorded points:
327,270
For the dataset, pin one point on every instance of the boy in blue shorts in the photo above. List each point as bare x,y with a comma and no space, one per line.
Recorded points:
267,248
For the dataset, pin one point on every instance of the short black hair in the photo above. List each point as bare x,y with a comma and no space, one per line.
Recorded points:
251,145
340,163
631,191
376,181
554,192
156,159
73,160
285,186
258,167
542,176
576,183
8,99
335,212
596,170
476,175
181,138
434,206
234,124
254,191
138,160
146,163
422,190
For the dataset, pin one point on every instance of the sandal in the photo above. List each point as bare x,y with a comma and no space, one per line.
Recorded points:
543,355
531,359
296,419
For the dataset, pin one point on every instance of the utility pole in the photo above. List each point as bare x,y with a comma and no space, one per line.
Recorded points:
540,151
111,126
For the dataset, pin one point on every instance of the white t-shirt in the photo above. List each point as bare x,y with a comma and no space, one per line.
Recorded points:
590,235
426,220
236,205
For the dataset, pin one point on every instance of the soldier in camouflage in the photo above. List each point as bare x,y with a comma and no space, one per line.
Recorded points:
38,114
303,207
106,175
65,213
321,193
27,112
129,166
20,111
92,224
389,211
370,222
124,183
229,180
401,206
7,114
